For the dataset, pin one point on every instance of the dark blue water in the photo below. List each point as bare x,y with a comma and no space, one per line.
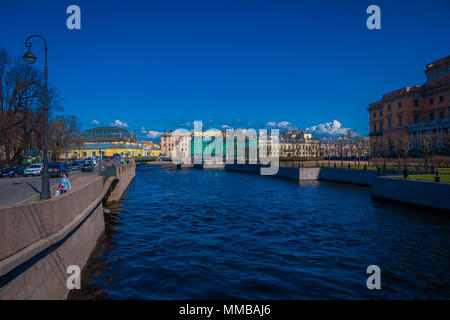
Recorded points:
202,234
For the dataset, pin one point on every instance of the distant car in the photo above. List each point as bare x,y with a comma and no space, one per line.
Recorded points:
74,166
55,170
92,160
12,171
87,166
34,169
20,169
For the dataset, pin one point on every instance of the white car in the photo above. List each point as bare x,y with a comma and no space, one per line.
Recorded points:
33,170
92,159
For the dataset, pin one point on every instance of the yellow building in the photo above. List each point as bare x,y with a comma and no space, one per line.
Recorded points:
107,141
151,149
156,152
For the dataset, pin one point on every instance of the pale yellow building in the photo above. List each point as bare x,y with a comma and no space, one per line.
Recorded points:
109,141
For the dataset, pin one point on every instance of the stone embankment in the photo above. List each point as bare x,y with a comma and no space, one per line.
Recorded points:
41,239
425,194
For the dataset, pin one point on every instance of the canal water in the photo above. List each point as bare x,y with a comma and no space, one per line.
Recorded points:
200,234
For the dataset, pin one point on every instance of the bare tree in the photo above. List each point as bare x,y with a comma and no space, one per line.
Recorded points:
402,148
21,107
361,146
428,146
341,151
63,131
385,147
374,148
446,142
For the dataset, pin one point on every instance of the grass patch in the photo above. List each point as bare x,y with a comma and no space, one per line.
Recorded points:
427,177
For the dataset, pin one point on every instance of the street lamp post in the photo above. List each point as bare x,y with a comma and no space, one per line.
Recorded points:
31,58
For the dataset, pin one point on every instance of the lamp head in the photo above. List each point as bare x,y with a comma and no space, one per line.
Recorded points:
29,56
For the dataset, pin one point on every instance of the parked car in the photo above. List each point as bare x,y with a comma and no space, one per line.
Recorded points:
92,160
12,171
87,166
55,170
74,166
34,169
20,169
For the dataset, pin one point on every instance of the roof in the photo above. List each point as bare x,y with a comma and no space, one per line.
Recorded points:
97,146
106,133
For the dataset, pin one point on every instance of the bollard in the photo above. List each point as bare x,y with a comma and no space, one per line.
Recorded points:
405,173
379,171
349,165
335,164
437,179
365,167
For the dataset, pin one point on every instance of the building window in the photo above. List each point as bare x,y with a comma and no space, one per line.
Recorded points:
374,126
431,101
400,104
84,154
430,116
374,114
441,114
416,117
416,102
389,123
441,99
381,113
389,106
381,125
399,121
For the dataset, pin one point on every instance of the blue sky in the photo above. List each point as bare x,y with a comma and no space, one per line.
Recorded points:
163,64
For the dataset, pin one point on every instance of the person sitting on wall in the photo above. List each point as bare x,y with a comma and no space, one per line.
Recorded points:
64,184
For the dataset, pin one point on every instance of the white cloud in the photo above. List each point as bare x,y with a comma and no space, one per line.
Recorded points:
333,128
96,122
153,134
225,126
119,123
285,125
281,125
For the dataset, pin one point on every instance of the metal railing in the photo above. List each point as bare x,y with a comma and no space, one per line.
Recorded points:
382,170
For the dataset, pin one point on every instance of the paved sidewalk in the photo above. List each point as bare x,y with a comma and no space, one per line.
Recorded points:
16,190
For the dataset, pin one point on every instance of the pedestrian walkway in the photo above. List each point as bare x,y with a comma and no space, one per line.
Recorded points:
14,191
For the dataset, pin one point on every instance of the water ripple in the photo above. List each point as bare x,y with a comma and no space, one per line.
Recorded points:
202,234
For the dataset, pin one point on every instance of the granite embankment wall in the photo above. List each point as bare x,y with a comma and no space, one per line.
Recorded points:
414,192
39,240
126,175
363,177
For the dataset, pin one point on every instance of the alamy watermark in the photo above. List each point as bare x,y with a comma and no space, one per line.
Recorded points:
374,280
227,146
74,280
